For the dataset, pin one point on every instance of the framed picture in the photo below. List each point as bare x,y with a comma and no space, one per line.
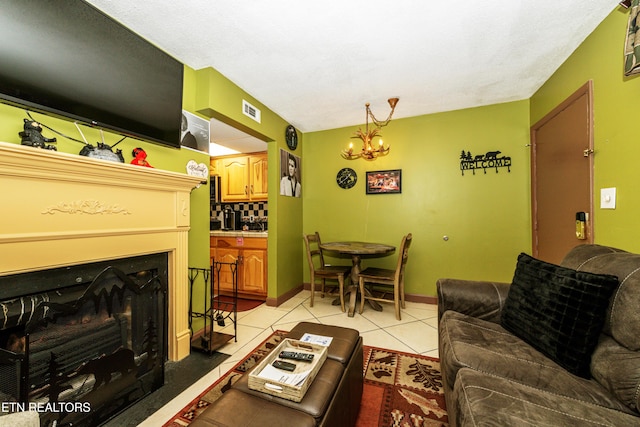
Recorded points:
195,132
384,182
290,174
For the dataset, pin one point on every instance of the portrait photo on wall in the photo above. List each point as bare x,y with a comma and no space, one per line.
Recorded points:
384,182
290,172
194,132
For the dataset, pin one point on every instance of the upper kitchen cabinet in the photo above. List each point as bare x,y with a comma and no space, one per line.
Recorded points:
214,166
244,178
258,177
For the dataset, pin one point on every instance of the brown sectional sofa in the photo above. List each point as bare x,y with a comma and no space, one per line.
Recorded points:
493,377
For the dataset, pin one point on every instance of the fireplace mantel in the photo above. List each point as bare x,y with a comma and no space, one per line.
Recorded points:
60,209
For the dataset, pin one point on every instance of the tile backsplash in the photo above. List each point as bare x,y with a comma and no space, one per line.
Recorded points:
259,210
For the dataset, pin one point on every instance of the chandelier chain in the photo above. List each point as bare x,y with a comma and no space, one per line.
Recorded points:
376,121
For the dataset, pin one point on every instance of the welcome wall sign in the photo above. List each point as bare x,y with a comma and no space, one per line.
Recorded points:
489,160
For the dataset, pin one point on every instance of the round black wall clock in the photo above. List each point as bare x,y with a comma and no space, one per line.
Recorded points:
291,136
346,178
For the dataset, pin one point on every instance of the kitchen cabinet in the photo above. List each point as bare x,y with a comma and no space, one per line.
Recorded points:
258,177
214,166
251,254
244,178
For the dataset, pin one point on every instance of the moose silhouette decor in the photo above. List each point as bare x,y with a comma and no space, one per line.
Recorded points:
489,160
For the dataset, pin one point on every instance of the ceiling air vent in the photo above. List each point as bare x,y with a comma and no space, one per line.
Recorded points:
251,111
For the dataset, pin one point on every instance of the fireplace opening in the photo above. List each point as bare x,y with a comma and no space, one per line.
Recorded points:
80,344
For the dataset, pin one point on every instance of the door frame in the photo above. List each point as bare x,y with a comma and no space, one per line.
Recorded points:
585,89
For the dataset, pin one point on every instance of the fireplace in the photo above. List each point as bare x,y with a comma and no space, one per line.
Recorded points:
82,343
61,210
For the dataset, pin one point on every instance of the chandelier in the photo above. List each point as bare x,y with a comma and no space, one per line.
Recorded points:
370,151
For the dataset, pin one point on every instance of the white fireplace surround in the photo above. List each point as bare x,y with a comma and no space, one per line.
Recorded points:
60,209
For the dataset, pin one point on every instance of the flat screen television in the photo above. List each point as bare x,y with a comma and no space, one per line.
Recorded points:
67,58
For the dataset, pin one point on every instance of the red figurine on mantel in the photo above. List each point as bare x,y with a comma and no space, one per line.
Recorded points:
140,158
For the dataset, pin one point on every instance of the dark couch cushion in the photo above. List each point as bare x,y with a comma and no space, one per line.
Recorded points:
623,318
617,369
558,310
487,347
483,399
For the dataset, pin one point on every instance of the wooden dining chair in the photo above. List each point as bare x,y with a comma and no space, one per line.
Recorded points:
320,270
386,279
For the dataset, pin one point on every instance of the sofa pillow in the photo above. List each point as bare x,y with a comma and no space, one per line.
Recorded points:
558,311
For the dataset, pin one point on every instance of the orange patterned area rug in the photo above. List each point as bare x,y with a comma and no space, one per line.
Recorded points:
400,389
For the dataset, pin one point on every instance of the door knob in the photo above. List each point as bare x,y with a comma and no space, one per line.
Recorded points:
587,152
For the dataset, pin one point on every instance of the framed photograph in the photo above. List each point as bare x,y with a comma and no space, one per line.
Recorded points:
290,174
195,132
384,182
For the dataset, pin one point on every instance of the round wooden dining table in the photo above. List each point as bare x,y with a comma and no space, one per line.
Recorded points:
357,251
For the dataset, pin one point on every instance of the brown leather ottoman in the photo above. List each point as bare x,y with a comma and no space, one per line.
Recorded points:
237,409
343,343
346,348
333,399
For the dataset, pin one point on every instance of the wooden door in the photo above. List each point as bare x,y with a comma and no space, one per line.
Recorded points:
226,276
259,177
214,166
235,179
254,271
562,175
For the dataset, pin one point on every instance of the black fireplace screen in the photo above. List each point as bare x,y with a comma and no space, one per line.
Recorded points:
80,344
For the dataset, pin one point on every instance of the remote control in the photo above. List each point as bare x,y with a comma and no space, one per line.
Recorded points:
293,355
281,364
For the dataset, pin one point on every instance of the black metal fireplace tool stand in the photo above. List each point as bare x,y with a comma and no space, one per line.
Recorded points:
218,308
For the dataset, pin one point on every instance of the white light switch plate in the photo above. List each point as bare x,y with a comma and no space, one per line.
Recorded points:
608,198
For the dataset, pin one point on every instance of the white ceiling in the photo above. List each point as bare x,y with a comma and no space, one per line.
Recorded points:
317,63
229,140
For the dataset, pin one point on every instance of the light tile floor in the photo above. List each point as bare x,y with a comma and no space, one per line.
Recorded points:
417,332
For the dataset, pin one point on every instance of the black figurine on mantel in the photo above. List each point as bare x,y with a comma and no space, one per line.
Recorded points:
32,136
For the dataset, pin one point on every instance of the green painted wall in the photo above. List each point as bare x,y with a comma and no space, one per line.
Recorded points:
485,216
616,142
220,98
199,233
